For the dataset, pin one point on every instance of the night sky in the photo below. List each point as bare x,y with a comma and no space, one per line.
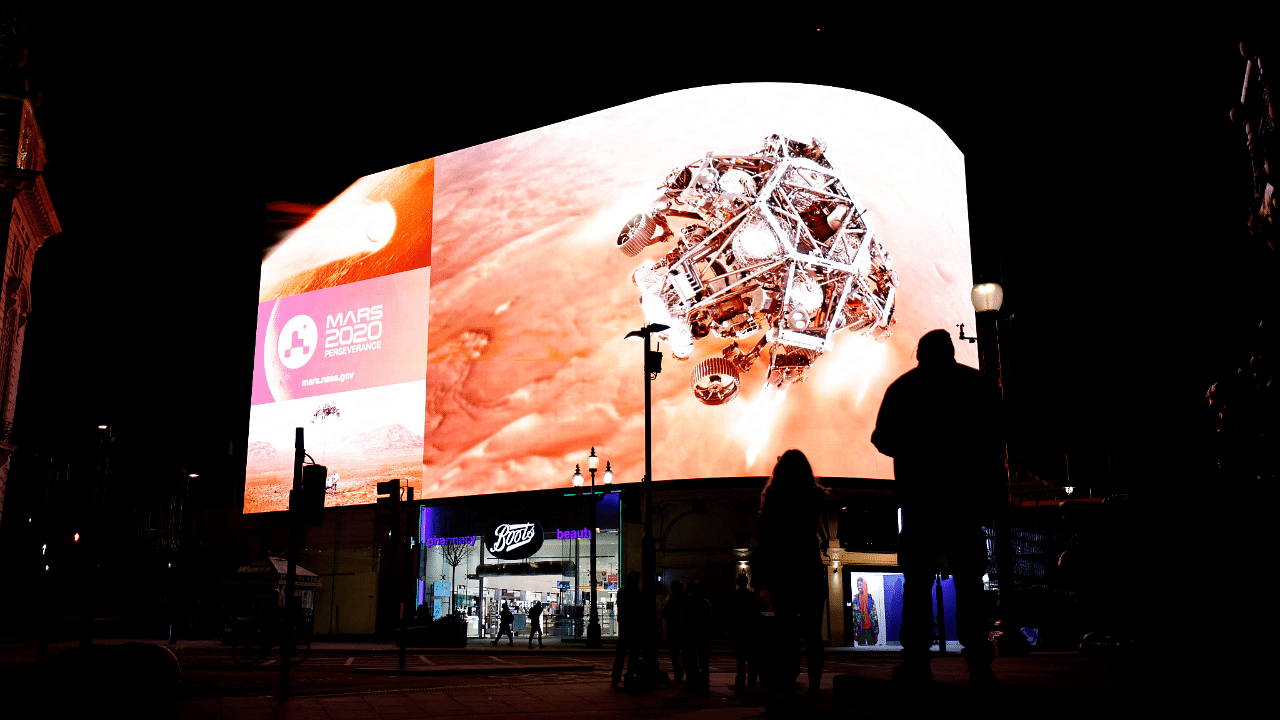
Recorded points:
1103,172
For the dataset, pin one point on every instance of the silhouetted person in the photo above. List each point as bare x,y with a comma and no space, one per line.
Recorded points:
504,625
675,638
695,623
788,564
743,610
630,616
267,614
535,622
939,424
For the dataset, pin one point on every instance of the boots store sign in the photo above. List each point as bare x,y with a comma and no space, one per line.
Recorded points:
514,540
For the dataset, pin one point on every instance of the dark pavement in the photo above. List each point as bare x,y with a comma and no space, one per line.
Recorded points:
362,680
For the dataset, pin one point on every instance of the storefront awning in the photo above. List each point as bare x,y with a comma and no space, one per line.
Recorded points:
547,567
271,571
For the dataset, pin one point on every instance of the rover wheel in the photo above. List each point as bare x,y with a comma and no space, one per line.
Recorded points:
715,381
637,234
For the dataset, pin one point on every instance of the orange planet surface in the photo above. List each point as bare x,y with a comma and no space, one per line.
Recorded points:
531,299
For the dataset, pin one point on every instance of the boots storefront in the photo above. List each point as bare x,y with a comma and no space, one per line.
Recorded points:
534,556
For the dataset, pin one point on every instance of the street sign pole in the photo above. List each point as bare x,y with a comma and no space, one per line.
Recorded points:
291,577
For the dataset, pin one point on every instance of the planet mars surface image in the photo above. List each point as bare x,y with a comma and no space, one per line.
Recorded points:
531,299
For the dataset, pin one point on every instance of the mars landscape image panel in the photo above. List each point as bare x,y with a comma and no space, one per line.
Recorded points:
531,297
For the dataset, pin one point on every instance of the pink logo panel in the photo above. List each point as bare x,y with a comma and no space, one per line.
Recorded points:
360,335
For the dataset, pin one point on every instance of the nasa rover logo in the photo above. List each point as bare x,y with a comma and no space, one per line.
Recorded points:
297,341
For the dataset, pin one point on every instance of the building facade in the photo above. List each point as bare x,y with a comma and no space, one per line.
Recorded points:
27,213
704,530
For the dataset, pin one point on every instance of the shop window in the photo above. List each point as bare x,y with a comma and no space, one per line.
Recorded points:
873,619
869,527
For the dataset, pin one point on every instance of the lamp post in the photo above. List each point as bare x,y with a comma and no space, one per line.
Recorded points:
593,464
988,299
648,551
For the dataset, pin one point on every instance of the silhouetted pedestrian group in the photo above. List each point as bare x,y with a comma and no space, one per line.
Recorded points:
939,423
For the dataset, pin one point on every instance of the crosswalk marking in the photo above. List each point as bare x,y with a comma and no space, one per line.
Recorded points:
573,659
424,659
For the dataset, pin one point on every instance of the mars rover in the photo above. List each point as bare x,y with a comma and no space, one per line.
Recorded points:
772,243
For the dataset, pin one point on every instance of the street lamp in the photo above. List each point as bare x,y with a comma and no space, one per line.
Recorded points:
648,548
987,297
593,463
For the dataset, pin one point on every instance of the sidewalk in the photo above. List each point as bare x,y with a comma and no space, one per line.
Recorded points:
1048,686
360,680
486,645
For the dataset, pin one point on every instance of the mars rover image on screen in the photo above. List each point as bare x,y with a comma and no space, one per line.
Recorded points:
772,243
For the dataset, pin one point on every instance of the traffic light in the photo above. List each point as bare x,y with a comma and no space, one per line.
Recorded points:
308,506
388,512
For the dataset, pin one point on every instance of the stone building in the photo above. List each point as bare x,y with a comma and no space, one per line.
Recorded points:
27,213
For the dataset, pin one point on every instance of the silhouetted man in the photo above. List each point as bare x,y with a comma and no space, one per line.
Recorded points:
505,618
939,423
695,623
743,609
675,636
630,615
535,622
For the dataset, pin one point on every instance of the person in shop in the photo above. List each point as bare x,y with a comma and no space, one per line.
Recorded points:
787,564
535,622
675,638
939,423
743,610
630,617
505,619
866,618
695,623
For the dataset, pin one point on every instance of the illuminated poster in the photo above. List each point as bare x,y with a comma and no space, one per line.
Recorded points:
798,241
869,616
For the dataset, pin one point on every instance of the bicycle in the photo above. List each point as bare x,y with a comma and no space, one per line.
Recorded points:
252,644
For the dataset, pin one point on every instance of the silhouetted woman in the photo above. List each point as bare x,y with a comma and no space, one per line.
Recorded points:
787,563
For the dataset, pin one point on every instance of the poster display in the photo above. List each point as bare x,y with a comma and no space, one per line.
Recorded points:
880,626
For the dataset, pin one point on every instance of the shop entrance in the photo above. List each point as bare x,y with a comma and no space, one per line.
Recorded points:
558,576
561,615
535,547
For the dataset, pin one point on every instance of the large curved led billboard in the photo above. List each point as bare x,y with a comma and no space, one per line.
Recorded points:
459,322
